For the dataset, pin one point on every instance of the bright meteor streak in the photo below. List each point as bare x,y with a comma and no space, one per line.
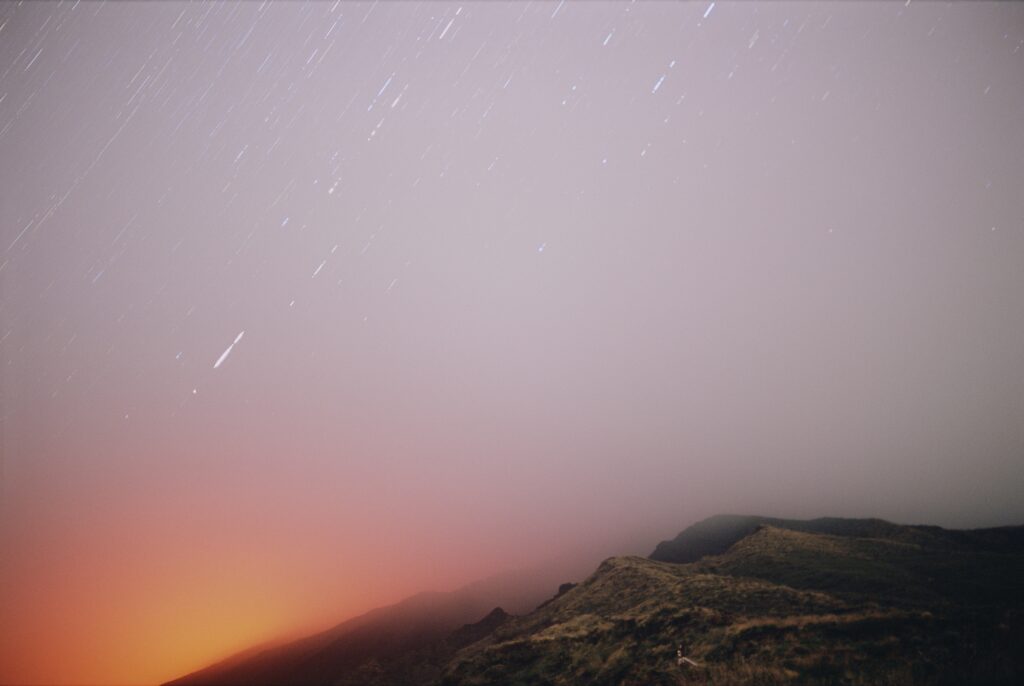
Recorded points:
224,355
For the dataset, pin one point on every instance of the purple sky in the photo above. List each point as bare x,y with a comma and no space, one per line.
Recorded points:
306,307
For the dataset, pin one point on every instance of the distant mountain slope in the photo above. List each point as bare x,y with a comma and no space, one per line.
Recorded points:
421,664
386,635
715,535
780,606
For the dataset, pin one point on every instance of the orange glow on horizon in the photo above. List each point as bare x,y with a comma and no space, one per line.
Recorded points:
131,629
150,614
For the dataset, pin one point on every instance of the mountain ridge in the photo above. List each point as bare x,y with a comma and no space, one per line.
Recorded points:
760,601
714,535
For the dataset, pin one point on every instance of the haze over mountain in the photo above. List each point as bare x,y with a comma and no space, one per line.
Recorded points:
382,635
747,600
309,307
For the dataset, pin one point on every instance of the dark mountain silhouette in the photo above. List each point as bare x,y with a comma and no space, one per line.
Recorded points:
753,600
471,633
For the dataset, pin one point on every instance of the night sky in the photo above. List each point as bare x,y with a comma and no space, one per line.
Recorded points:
308,307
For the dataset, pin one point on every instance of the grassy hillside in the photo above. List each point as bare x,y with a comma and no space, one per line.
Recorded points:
780,606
